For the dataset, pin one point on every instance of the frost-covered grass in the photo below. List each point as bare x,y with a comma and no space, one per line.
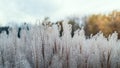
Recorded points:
41,47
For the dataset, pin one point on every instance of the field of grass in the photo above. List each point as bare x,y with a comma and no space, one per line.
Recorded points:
42,47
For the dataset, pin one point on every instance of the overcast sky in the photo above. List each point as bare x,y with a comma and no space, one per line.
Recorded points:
30,10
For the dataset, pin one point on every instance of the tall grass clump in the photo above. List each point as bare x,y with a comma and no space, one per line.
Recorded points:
42,47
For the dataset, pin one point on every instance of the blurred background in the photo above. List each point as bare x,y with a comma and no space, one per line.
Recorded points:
31,10
93,15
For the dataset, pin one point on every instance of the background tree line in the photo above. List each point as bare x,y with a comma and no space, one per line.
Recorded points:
106,23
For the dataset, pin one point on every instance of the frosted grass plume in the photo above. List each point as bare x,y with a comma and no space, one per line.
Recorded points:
41,47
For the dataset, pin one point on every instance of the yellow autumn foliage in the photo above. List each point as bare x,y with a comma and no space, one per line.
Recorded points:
105,23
